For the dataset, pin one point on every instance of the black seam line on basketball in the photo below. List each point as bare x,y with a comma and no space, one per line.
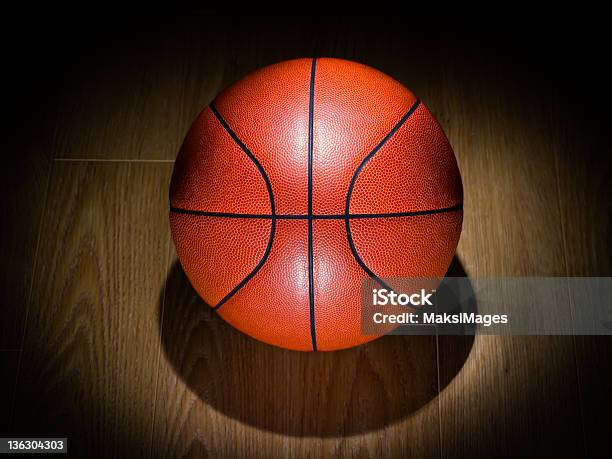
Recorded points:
252,157
347,220
414,213
313,334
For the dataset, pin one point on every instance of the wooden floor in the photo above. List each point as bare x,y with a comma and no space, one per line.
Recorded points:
104,341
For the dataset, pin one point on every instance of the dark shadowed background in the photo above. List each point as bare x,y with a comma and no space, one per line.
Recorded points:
103,340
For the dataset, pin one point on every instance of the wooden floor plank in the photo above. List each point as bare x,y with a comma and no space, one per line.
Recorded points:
90,356
223,393
30,104
584,167
8,369
137,100
515,396
23,186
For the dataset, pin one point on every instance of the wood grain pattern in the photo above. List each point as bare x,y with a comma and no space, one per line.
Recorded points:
89,361
28,129
586,211
214,379
8,369
519,392
142,95
23,184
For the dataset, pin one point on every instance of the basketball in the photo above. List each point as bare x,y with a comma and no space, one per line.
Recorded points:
299,182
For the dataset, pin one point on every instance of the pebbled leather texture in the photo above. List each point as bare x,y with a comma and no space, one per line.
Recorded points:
273,307
268,111
212,173
416,167
217,253
240,195
355,107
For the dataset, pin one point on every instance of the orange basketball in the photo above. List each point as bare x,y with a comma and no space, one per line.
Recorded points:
300,181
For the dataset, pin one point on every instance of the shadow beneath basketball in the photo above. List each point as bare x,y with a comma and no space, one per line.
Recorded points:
323,394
